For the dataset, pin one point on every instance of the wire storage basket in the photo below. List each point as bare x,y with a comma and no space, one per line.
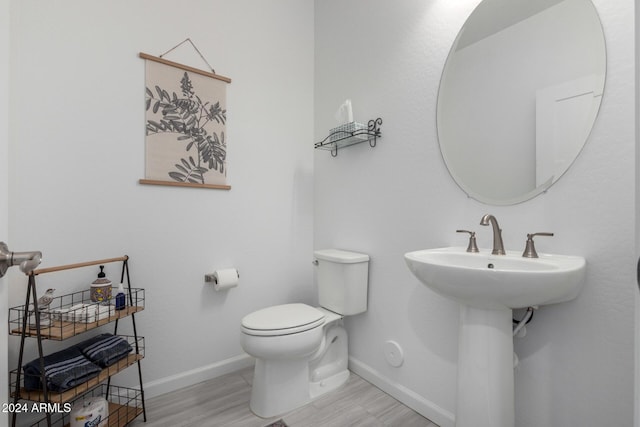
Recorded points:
130,350
350,134
71,314
125,404
355,130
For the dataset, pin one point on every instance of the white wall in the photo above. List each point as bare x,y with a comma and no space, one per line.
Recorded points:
576,361
637,229
77,152
4,175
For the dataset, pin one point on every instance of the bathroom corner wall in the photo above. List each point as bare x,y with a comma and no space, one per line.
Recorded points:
4,175
637,224
77,151
577,358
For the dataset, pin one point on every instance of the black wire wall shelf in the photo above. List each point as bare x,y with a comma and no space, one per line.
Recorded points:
351,134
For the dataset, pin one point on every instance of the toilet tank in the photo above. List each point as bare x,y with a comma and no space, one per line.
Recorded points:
342,279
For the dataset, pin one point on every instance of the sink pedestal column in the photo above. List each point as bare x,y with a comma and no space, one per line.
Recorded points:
485,368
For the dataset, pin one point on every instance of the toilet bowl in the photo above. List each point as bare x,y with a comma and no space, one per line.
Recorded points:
283,377
301,351
288,331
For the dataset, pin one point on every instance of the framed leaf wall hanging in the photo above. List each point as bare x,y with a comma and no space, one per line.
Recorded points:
185,122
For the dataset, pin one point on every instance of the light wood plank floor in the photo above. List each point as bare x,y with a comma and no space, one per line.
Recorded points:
224,402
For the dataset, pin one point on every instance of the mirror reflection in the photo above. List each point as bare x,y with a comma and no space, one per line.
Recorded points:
519,94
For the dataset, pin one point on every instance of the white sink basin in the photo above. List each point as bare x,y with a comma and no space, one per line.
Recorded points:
488,287
490,281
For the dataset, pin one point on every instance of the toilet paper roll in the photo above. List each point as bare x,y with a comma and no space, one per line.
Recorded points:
93,412
225,279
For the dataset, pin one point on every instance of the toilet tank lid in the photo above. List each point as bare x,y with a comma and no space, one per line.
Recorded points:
340,256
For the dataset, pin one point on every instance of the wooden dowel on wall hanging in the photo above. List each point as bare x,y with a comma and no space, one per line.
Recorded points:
184,67
184,184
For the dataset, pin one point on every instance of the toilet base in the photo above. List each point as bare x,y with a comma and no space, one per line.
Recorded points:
282,385
317,389
293,388
279,386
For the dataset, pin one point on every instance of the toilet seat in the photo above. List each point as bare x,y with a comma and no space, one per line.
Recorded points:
282,319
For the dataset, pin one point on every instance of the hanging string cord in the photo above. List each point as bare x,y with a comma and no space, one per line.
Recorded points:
194,46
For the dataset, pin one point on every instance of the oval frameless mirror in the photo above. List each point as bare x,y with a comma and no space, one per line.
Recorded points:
519,94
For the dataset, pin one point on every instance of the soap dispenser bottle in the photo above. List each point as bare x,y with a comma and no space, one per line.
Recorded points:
121,299
101,288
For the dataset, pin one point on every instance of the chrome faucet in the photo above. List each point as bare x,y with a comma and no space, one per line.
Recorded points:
498,246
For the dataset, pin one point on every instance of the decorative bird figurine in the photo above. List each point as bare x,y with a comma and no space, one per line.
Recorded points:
45,300
43,304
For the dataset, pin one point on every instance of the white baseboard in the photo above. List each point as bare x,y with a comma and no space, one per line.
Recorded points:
194,376
408,397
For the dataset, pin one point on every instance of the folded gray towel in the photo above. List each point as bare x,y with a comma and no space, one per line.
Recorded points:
105,349
63,370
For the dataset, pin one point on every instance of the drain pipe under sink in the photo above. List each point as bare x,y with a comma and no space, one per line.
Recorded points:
520,328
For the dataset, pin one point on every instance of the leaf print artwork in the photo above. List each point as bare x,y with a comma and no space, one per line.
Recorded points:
185,125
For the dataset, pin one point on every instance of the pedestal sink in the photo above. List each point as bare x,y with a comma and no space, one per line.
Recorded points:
489,287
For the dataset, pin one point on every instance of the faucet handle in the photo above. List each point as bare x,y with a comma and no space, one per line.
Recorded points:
530,248
473,247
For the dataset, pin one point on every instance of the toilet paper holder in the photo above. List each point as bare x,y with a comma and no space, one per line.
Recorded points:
211,278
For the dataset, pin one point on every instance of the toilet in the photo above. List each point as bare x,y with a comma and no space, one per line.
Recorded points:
301,351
